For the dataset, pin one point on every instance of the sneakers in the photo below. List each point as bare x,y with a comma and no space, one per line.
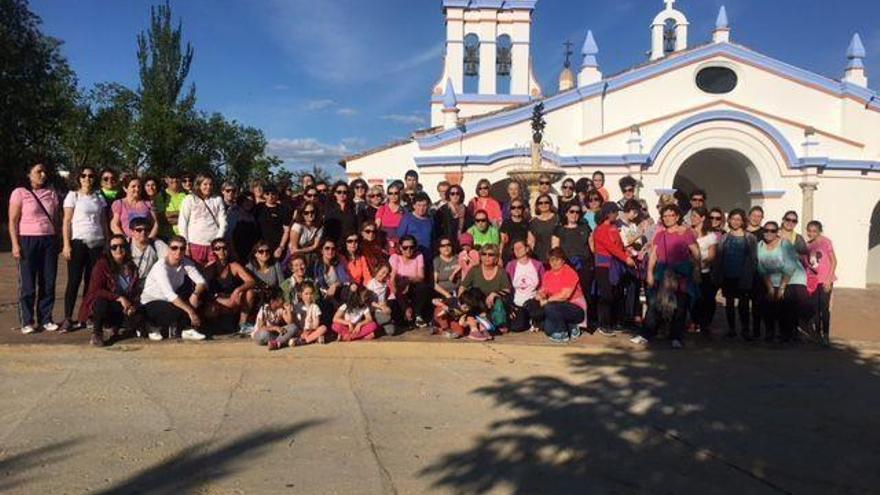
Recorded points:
155,336
28,329
273,345
575,333
50,327
420,322
559,338
639,340
192,334
246,328
676,344
68,326
97,341
606,333
450,335
480,336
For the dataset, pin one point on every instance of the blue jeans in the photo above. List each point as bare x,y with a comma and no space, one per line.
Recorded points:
36,278
559,316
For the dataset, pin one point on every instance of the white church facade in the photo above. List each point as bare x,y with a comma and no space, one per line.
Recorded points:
747,128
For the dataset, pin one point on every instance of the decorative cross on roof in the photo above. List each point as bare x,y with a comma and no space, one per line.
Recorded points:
669,4
568,53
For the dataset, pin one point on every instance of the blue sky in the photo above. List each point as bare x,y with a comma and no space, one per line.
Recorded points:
324,78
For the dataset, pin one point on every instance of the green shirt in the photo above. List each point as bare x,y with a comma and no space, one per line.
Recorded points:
476,279
170,204
490,236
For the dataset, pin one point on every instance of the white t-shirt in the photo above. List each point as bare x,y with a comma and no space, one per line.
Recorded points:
307,235
88,211
146,258
525,283
307,315
164,280
202,221
704,244
380,289
354,316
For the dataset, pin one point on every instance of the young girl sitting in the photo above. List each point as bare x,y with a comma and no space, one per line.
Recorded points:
274,321
466,314
378,287
353,320
307,316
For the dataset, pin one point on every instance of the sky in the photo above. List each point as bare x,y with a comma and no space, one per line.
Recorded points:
326,78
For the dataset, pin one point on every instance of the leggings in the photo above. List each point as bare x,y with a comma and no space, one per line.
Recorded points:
79,272
109,313
736,301
705,310
760,303
365,331
607,297
823,311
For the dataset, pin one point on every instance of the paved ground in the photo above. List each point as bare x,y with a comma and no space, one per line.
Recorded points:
418,414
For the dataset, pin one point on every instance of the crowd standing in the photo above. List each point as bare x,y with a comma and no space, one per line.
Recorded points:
187,257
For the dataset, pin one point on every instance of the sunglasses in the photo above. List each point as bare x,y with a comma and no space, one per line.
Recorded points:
395,193
629,190
483,188
716,218
117,247
543,203
368,231
176,247
106,179
701,200
594,200
341,191
309,213
544,183
139,230
481,220
374,195
217,249
568,187
574,212
445,244
229,190
310,195
517,207
86,176
489,255
360,187
454,193
352,241
770,231
408,247
262,251
329,248
186,180
792,220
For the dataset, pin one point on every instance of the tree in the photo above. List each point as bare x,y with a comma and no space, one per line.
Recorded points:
166,118
319,173
37,92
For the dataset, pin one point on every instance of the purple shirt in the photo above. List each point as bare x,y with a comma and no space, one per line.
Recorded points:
673,249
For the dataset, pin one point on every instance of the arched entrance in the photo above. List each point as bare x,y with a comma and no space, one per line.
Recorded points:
726,175
873,275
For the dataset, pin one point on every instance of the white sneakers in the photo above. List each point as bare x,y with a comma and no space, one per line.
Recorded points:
639,340
50,327
192,334
28,329
155,336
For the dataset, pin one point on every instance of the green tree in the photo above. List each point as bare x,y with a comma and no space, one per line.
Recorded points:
37,92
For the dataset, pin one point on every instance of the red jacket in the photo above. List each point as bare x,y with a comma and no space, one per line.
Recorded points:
608,242
102,285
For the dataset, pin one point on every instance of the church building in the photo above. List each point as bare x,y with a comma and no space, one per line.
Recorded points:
748,129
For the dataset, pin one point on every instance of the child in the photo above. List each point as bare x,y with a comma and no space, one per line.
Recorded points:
307,315
353,320
468,257
378,287
274,321
467,314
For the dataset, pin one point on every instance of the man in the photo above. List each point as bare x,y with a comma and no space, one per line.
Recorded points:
144,251
698,199
514,193
599,184
442,189
230,194
628,188
322,188
411,187
174,198
172,294
633,241
273,220
307,182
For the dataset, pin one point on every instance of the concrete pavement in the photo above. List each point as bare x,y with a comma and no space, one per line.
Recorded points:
418,417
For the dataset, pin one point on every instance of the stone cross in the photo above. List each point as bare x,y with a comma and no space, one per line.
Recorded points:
669,4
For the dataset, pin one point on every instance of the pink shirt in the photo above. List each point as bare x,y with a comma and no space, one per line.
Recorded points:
127,213
390,220
818,261
673,249
467,260
33,220
555,281
407,268
490,206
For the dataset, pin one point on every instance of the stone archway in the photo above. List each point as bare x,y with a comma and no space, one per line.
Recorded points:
727,176
873,268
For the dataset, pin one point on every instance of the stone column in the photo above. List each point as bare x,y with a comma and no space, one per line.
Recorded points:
807,189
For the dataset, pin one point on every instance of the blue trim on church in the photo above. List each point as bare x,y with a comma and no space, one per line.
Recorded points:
483,98
491,4
576,95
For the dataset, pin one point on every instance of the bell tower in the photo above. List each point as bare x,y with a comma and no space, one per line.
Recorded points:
488,56
669,32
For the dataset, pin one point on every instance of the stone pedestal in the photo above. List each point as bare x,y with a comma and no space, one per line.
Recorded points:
808,189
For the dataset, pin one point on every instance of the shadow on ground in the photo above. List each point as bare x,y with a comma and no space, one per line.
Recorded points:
194,466
21,468
661,421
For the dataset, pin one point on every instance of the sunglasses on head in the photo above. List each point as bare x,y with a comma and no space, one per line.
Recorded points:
117,247
176,247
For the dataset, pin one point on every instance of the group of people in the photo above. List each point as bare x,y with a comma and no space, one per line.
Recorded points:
175,257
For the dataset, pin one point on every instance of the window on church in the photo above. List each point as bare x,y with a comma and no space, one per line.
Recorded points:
471,64
503,63
717,80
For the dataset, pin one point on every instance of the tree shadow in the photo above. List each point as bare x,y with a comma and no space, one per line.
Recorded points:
658,421
196,465
14,469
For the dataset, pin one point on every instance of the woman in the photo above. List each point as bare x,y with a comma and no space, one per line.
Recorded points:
372,247
375,200
514,193
787,232
733,270
610,260
411,292
453,218
84,233
484,232
673,278
758,297
306,232
359,197
525,274
573,236
567,198
785,282
483,201
447,271
560,305
292,286
593,205
389,215
491,279
33,230
356,262
202,219
229,287
419,224
332,278
821,268
154,193
340,220
264,267
113,296
716,221
514,228
707,241
541,227
132,206
245,232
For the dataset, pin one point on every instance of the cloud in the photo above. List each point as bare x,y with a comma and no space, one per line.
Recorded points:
298,151
315,105
405,119
346,112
